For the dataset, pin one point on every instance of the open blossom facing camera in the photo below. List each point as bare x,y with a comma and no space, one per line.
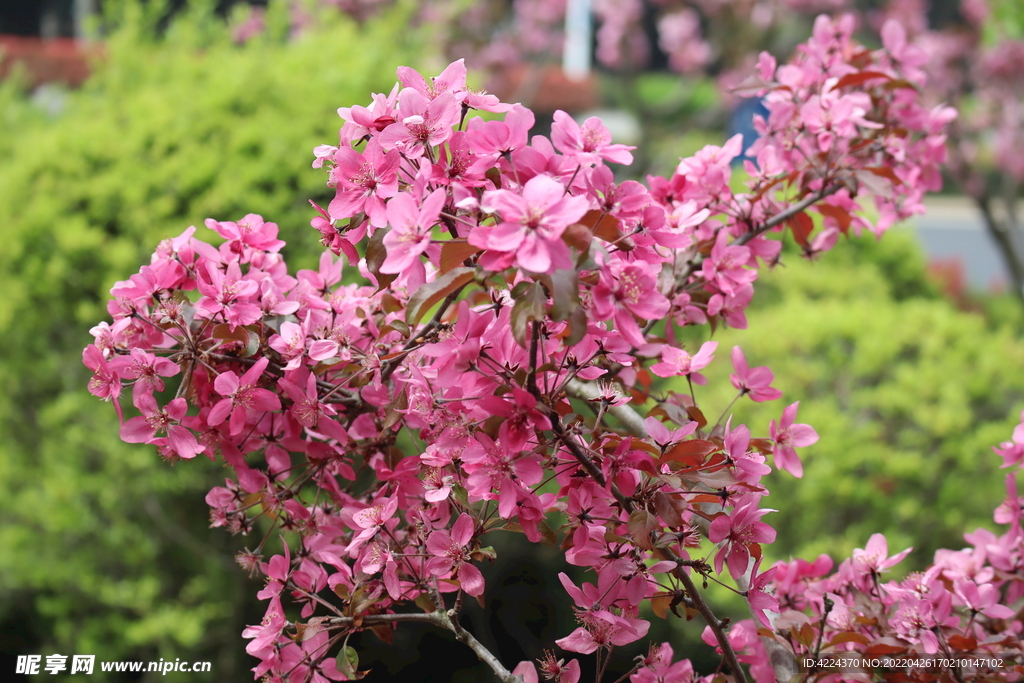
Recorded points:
505,356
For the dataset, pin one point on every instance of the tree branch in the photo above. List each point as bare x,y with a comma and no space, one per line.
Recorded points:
716,626
783,216
441,620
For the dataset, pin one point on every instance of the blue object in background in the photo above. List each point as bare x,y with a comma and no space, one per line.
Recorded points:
741,120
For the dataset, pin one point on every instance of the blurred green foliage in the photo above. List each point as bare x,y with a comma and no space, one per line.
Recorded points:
907,393
106,549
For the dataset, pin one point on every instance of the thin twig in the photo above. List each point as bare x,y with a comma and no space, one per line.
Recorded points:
441,620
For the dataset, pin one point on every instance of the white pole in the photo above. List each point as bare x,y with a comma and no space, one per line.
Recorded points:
578,27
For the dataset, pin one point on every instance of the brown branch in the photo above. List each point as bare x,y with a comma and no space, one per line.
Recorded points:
783,216
717,627
441,620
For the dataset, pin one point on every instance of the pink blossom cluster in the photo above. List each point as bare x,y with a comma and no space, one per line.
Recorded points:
982,77
493,370
964,609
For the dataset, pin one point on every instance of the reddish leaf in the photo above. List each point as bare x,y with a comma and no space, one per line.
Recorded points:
885,172
802,226
384,632
697,416
565,293
531,305
579,237
694,450
752,86
849,637
602,225
644,446
706,498
806,635
224,331
964,644
453,254
860,78
376,252
840,216
755,550
883,649
666,510
660,605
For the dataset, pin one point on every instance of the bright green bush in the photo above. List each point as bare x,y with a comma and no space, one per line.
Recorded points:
907,393
105,548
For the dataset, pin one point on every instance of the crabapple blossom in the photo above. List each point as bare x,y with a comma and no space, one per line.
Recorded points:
487,364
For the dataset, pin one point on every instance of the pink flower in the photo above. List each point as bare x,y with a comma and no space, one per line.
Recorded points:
710,167
309,411
250,232
154,419
500,466
981,599
756,381
451,81
599,626
588,143
243,398
786,436
293,345
662,436
369,520
105,383
226,292
1009,511
658,667
449,551
627,289
422,123
360,121
410,229
750,463
874,557
363,181
501,137
376,557
555,670
759,599
531,224
677,362
740,530
725,269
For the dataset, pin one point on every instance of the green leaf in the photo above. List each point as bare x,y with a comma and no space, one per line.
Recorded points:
348,662
432,293
376,253
531,305
565,294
